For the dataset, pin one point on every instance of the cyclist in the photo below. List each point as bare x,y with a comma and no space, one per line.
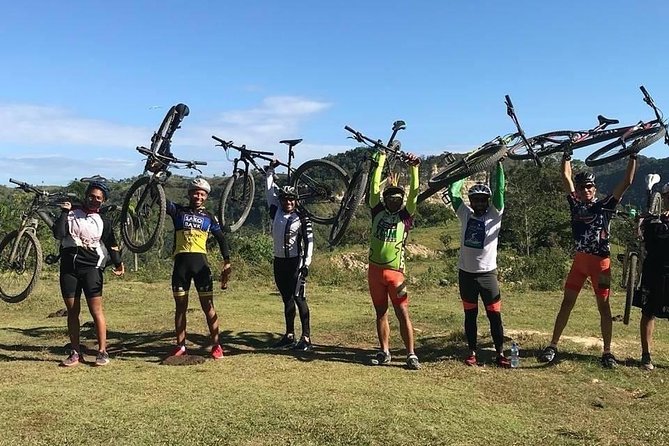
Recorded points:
391,222
293,248
654,296
480,226
192,226
86,241
590,221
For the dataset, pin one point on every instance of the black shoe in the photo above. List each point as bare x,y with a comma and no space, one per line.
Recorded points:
304,345
382,358
288,340
548,354
609,361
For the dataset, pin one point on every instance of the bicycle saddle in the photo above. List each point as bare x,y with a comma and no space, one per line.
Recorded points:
291,142
602,120
651,180
182,109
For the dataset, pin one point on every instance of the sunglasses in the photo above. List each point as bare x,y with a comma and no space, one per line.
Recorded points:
586,186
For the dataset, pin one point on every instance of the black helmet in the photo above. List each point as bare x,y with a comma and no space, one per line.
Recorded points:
584,178
98,185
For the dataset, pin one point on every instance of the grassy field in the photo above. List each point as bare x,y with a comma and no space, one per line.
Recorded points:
257,396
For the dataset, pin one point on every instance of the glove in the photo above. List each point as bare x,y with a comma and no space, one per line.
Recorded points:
304,272
566,155
225,276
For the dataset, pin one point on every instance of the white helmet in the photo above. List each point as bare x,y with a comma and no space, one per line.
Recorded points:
479,189
288,192
199,183
665,188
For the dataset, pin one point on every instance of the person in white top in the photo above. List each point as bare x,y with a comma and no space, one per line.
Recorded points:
480,223
293,248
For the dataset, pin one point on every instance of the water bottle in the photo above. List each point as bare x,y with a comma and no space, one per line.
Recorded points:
515,355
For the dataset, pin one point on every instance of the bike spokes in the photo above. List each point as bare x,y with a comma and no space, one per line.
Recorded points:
19,267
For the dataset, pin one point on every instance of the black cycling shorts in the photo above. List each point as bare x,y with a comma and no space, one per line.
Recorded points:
654,295
474,284
73,282
192,266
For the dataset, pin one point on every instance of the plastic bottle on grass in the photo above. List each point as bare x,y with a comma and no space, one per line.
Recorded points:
515,355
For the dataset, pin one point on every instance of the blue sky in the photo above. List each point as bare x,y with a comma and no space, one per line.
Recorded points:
84,82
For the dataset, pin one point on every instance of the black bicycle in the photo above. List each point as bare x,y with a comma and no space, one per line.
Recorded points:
627,139
359,184
144,206
320,184
20,250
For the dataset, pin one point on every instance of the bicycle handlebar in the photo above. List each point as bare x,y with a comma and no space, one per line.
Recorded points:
245,152
170,159
28,187
390,148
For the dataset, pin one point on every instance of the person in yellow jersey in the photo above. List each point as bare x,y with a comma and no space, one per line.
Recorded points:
391,222
192,226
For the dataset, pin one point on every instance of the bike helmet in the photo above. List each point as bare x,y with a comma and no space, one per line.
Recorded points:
479,189
584,178
199,183
393,191
98,185
665,188
288,192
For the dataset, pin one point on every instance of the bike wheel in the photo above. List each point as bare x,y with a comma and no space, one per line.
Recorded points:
655,206
636,141
320,185
349,204
143,214
479,160
236,201
543,145
113,213
19,273
631,286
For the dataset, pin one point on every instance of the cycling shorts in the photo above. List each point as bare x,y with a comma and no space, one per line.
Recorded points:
384,283
74,281
597,268
194,267
654,294
474,284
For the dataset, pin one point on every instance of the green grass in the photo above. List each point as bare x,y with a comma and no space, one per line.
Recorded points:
256,396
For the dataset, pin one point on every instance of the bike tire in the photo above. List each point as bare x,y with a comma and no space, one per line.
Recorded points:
543,145
143,214
655,207
27,266
350,203
631,286
236,201
481,159
636,141
320,185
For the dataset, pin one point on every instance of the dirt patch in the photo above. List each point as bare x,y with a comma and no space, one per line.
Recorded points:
416,251
587,341
183,360
350,261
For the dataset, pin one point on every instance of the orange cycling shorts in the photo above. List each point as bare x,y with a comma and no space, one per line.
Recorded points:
384,283
597,268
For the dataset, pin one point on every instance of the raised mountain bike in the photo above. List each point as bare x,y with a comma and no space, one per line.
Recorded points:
320,184
624,140
20,250
144,205
483,158
359,185
633,257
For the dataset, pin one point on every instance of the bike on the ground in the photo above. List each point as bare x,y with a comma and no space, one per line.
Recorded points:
144,206
21,251
626,139
320,184
633,257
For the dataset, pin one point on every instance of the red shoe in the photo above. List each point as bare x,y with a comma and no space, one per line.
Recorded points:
503,362
179,350
471,360
217,351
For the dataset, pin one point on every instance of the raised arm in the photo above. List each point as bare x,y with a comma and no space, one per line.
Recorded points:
455,194
379,159
270,187
627,179
414,187
567,182
500,188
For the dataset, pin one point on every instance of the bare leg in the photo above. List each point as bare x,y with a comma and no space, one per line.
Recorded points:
406,327
562,318
181,306
646,326
95,307
207,305
605,322
382,326
73,306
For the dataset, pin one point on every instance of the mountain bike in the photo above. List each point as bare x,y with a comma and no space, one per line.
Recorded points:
320,184
483,158
359,185
633,258
628,138
20,250
143,209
